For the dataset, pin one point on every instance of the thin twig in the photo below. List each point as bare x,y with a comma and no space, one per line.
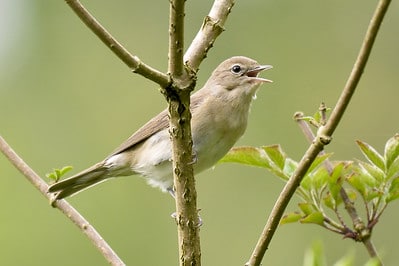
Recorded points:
133,62
323,136
62,205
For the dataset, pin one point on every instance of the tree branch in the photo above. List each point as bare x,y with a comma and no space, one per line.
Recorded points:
211,28
323,136
62,205
178,97
133,62
176,38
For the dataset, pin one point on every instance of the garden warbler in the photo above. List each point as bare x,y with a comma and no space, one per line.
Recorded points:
219,118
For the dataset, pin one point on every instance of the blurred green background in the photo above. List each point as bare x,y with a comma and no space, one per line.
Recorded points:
65,99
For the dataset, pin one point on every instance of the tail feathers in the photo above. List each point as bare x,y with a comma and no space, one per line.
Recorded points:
83,180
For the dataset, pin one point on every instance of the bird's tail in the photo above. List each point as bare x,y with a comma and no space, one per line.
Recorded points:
85,179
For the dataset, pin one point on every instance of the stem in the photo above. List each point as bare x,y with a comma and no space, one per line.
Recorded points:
176,37
62,205
372,250
178,97
133,62
323,136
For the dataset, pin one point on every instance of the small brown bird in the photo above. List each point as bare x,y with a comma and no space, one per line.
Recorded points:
219,118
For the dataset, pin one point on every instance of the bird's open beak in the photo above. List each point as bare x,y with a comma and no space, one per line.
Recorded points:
253,73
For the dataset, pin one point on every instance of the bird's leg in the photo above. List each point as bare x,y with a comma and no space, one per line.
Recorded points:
171,191
194,158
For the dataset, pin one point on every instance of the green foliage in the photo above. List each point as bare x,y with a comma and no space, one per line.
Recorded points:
332,185
58,173
377,181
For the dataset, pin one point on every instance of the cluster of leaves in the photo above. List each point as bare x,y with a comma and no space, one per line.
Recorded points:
58,173
328,185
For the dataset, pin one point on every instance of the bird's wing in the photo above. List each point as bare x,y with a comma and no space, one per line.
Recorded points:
156,124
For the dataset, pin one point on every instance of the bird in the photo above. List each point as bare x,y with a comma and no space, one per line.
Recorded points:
219,111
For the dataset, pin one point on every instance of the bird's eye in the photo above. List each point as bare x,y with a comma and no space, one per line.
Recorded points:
236,69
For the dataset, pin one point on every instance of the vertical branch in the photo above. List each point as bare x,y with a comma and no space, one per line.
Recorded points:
178,97
323,136
176,37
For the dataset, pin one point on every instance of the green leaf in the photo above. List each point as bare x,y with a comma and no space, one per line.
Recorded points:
364,184
247,155
319,159
292,217
316,179
329,201
52,176
306,208
319,178
335,182
253,156
372,155
356,182
391,151
313,218
317,117
392,196
393,169
393,193
337,171
394,186
65,170
58,173
373,171
306,183
276,155
289,167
